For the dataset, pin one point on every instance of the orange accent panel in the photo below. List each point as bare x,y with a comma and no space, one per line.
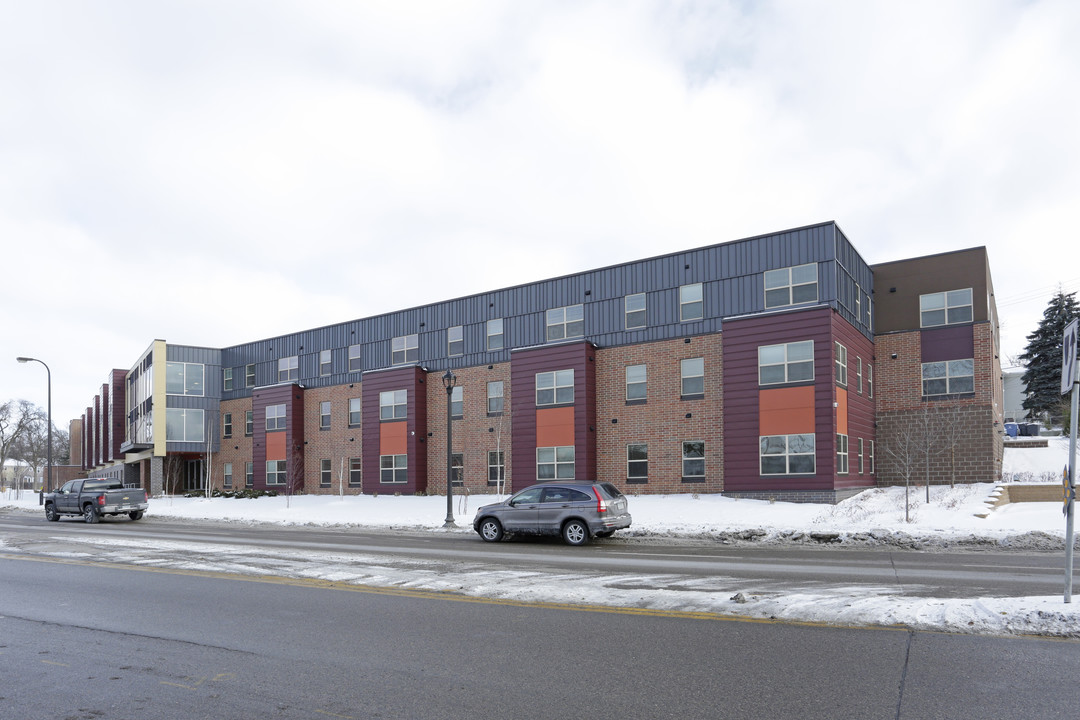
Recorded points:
275,445
393,438
786,411
841,411
555,427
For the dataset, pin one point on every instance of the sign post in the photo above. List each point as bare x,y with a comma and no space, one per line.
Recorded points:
1068,384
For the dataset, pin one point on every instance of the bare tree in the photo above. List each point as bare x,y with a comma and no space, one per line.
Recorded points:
950,436
16,416
294,474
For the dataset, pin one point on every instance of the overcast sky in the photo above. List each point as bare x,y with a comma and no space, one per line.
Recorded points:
211,173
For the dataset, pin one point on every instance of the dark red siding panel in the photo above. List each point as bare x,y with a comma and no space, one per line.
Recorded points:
948,343
413,379
524,365
117,421
292,396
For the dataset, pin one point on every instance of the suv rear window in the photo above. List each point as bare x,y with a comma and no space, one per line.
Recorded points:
611,490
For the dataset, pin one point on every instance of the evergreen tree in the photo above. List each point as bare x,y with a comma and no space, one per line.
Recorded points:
1042,357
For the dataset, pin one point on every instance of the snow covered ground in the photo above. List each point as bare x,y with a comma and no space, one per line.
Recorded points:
874,517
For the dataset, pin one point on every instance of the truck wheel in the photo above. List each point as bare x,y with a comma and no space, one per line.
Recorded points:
50,513
89,514
135,515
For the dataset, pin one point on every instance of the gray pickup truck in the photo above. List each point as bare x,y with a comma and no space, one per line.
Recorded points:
93,497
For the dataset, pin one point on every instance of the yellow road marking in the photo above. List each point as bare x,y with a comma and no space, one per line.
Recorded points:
324,712
50,662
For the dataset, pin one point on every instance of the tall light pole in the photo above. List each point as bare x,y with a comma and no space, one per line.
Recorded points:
449,381
48,460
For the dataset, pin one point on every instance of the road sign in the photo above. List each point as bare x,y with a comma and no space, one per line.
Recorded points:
1068,356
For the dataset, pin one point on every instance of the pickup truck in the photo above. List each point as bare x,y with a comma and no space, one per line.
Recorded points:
93,497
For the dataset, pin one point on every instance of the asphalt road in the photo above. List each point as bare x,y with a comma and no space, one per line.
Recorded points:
79,639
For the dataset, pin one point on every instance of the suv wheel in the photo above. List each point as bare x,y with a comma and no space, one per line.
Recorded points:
575,532
491,530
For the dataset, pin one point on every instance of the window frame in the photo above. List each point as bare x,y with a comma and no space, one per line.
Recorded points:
490,343
558,325
356,472
558,382
325,418
499,399
642,476
226,425
457,469
455,335
249,423
457,402
788,364
390,464
278,473
695,459
685,305
326,473
558,462
356,358
326,363
684,377
946,308
194,417
405,349
628,311
843,456
249,473
787,454
194,388
642,382
288,368
949,378
393,404
356,412
249,375
788,284
841,363
226,475
275,420
499,467
226,379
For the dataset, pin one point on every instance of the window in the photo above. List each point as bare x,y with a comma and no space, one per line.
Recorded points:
355,365
356,466
555,388
249,474
787,363
496,467
861,456
226,379
184,378
636,376
275,417
637,462
288,368
226,470
693,460
858,365
393,469
184,425
326,364
871,457
634,308
565,322
324,415
249,375
326,475
275,472
495,334
355,415
457,469
945,308
404,349
692,371
393,404
555,463
841,454
249,423
869,380
952,377
791,285
495,397
455,341
691,305
457,402
226,425
787,454
841,365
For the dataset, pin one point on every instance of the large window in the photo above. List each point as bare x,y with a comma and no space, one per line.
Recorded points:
275,417
455,341
566,322
788,454
496,467
634,307
356,415
324,415
326,363
945,308
495,397
495,338
457,402
692,374
355,362
288,368
952,377
326,473
841,454
275,472
184,378
555,388
787,363
555,463
404,349
693,460
841,365
227,379
637,462
184,425
691,302
791,285
636,379
393,404
393,469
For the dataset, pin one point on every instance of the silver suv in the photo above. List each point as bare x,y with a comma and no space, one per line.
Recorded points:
574,510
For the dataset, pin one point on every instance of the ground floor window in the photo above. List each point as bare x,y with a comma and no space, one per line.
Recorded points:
393,469
496,468
275,472
637,462
249,473
555,463
693,460
787,454
227,471
325,473
457,469
841,454
356,466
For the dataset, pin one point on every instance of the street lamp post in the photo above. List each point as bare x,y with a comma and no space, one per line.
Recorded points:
48,456
448,381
